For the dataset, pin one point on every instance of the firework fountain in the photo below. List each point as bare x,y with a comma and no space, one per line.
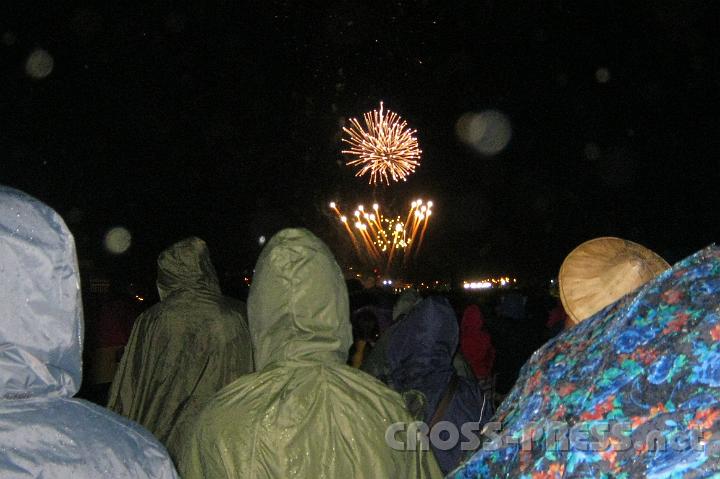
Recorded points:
381,237
385,149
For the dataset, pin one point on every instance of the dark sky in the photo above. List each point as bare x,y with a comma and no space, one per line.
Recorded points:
222,119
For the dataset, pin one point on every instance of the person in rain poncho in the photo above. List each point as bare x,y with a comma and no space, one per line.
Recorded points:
182,350
44,433
376,363
305,413
475,342
420,354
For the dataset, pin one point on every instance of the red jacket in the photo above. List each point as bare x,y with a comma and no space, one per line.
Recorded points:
475,342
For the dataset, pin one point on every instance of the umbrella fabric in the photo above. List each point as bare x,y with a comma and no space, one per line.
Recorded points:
646,368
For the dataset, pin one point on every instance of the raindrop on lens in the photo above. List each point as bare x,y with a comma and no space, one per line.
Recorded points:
602,75
117,240
488,132
39,64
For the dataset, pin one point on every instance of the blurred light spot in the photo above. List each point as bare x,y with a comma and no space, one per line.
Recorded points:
9,38
488,132
117,240
602,75
261,240
39,64
592,152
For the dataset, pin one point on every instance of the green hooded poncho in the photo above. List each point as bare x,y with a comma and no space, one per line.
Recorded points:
305,413
182,350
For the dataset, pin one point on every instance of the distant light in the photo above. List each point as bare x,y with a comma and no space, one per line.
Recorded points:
39,64
478,285
423,209
398,227
117,240
344,220
429,204
332,204
413,204
139,298
376,206
361,208
261,240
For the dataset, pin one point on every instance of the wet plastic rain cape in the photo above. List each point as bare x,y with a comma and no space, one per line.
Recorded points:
376,363
44,433
645,368
305,414
420,356
182,350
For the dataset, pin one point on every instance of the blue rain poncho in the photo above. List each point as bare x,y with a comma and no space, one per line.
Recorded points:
420,357
44,433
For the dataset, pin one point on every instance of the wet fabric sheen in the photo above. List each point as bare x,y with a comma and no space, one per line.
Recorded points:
305,413
43,432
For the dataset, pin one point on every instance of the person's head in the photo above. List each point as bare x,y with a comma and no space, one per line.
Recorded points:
41,322
369,279
365,326
405,302
298,304
512,305
472,320
186,266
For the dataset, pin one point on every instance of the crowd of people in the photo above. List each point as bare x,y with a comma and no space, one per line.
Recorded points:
304,380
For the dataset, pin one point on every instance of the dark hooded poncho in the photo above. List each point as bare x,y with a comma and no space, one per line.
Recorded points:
182,350
420,355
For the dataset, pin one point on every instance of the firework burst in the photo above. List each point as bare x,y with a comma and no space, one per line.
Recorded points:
382,237
385,148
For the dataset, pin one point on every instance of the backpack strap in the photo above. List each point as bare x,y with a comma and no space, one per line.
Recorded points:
445,401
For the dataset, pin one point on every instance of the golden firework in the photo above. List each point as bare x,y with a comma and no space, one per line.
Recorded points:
381,237
384,147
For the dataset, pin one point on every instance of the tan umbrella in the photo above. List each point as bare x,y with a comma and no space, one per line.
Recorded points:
600,271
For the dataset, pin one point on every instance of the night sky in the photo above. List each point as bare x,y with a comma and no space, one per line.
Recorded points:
223,120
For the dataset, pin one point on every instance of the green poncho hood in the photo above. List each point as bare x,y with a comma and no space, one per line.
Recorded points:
186,266
298,302
183,349
305,413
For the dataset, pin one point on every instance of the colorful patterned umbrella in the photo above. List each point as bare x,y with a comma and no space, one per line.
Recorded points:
634,391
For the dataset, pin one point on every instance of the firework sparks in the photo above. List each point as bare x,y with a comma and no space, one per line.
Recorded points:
381,237
384,148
